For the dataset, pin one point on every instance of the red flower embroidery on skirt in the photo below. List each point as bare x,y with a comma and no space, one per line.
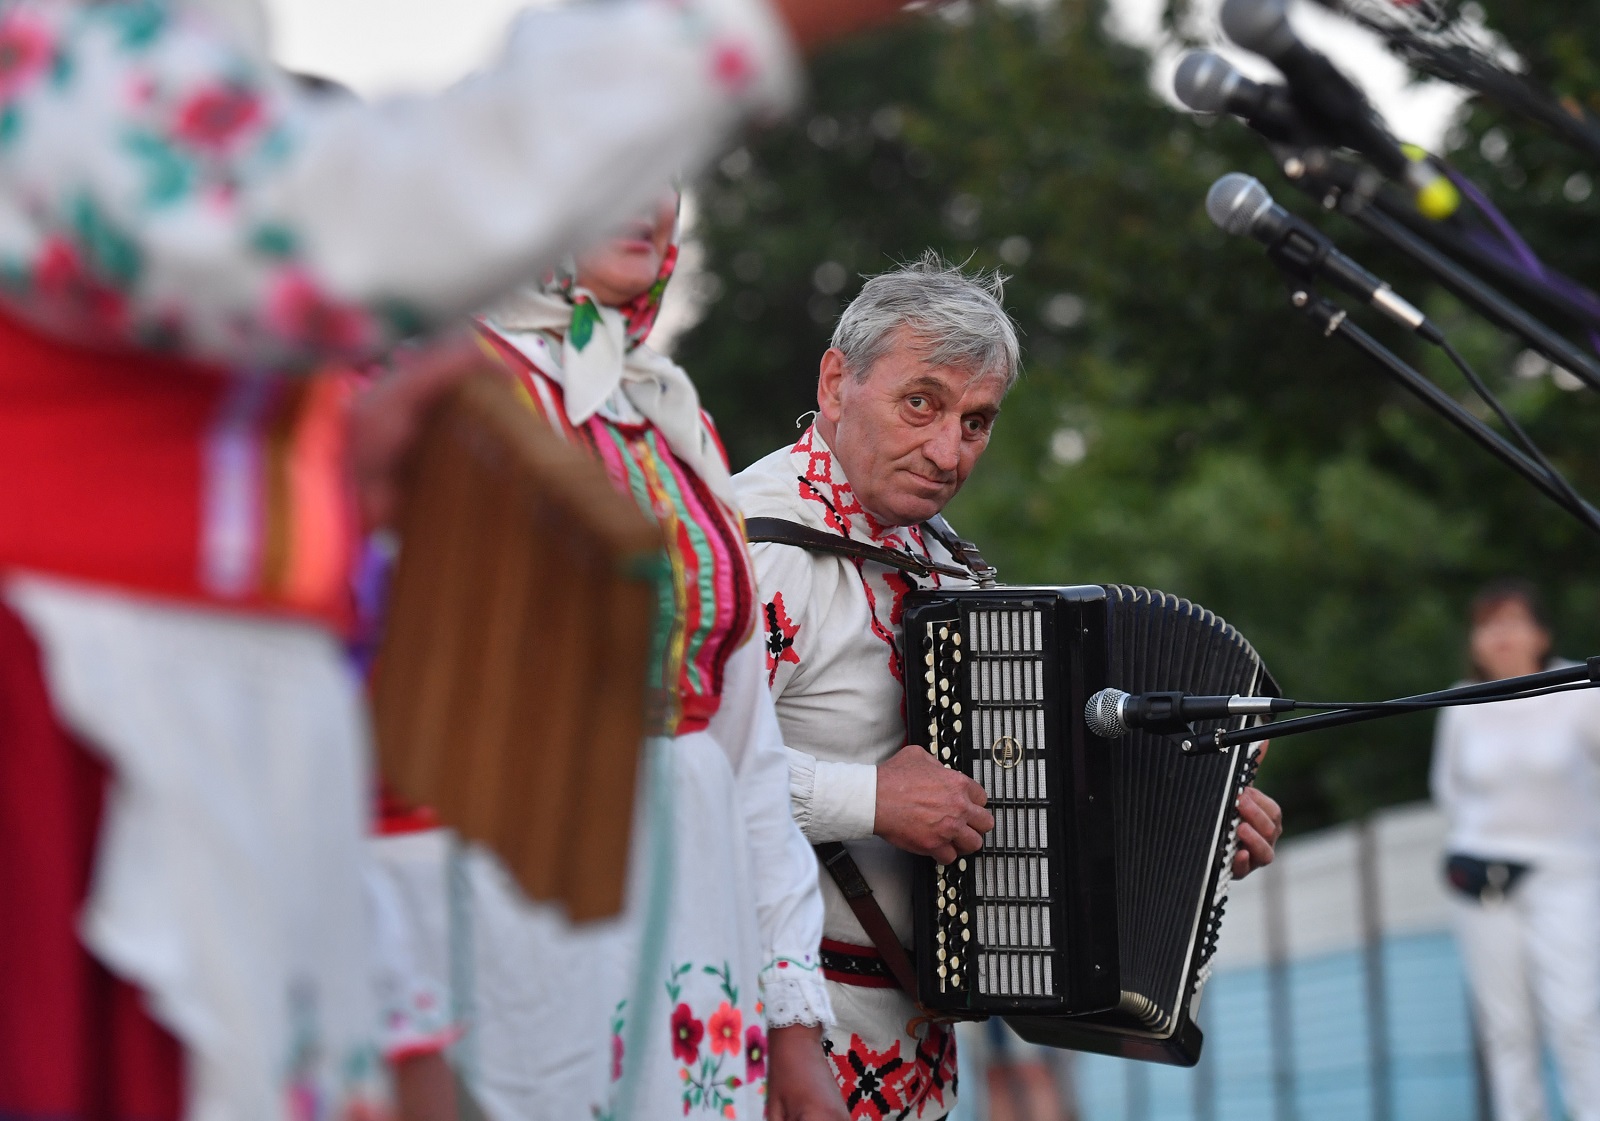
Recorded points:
218,118
26,49
686,1034
755,1054
62,277
725,1023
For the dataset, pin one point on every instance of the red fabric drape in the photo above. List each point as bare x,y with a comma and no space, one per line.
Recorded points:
76,1043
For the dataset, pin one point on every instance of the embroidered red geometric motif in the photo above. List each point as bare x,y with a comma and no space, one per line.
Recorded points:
883,1086
871,1081
780,637
823,485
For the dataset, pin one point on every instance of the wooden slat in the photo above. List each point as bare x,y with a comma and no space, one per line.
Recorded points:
511,683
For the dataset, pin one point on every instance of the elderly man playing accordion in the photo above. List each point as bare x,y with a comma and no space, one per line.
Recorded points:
907,397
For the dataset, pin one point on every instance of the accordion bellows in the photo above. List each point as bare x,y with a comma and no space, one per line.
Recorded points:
1090,916
512,680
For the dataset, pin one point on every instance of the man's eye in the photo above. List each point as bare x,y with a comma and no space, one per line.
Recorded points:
917,401
977,425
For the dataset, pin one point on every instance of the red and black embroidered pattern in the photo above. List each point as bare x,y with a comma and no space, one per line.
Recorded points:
883,1086
781,631
821,484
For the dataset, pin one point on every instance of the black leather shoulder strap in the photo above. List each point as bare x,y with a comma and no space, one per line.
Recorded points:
853,886
964,551
784,532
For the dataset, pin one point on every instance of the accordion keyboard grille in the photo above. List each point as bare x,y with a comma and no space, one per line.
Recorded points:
1011,887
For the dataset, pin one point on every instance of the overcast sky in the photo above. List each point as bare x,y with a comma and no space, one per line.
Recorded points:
380,46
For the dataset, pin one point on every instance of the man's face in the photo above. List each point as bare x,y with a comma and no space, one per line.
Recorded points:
908,434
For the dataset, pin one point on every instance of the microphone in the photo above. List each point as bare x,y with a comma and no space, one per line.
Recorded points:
1208,83
1331,102
1111,713
1239,204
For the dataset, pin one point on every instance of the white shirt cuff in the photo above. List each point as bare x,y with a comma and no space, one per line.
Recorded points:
844,802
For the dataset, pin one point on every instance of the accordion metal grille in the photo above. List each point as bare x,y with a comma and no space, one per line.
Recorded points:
994,729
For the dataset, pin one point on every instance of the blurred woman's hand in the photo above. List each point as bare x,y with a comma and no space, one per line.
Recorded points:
387,416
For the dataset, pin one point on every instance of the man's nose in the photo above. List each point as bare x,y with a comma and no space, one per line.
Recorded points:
943,447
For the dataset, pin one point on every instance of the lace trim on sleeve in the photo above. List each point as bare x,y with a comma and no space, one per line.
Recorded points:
793,992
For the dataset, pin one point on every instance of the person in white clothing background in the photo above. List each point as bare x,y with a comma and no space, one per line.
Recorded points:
1520,784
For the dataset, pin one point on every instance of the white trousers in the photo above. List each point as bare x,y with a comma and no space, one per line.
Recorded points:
1534,964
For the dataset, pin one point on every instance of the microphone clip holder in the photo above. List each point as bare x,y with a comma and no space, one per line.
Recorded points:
1201,743
1163,714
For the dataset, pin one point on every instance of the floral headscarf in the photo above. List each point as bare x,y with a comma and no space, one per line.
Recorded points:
602,351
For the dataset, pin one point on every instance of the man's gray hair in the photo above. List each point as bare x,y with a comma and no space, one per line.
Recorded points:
956,319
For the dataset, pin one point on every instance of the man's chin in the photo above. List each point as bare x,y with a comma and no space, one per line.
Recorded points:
912,510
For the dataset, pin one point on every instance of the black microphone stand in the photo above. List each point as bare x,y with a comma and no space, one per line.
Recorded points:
1509,688
1325,180
1332,320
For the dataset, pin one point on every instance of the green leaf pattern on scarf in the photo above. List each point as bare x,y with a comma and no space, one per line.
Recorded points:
585,317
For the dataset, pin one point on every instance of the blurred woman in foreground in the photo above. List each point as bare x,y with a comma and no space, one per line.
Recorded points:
706,997
1520,784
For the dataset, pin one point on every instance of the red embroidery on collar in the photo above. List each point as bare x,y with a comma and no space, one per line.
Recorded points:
825,484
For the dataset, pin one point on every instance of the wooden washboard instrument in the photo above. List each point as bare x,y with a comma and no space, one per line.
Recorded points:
512,680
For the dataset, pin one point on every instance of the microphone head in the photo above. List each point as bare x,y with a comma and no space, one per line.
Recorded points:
1261,26
1204,81
1236,201
1102,713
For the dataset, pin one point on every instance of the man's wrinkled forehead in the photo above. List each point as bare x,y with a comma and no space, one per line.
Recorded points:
924,372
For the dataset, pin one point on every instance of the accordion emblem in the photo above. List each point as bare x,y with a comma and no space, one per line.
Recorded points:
1089,917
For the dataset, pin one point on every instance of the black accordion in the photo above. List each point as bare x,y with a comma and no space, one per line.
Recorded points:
1090,915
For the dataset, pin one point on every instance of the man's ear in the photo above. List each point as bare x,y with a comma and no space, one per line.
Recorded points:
830,383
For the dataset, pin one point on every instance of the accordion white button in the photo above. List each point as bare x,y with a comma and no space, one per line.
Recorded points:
952,910
966,935
962,864
944,632
957,639
956,708
956,655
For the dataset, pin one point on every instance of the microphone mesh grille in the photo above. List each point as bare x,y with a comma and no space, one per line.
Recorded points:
1101,715
1261,26
1201,82
1234,201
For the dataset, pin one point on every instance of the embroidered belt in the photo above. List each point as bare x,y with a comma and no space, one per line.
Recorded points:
862,966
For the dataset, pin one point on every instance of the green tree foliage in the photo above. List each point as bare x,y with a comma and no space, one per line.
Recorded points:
1177,425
